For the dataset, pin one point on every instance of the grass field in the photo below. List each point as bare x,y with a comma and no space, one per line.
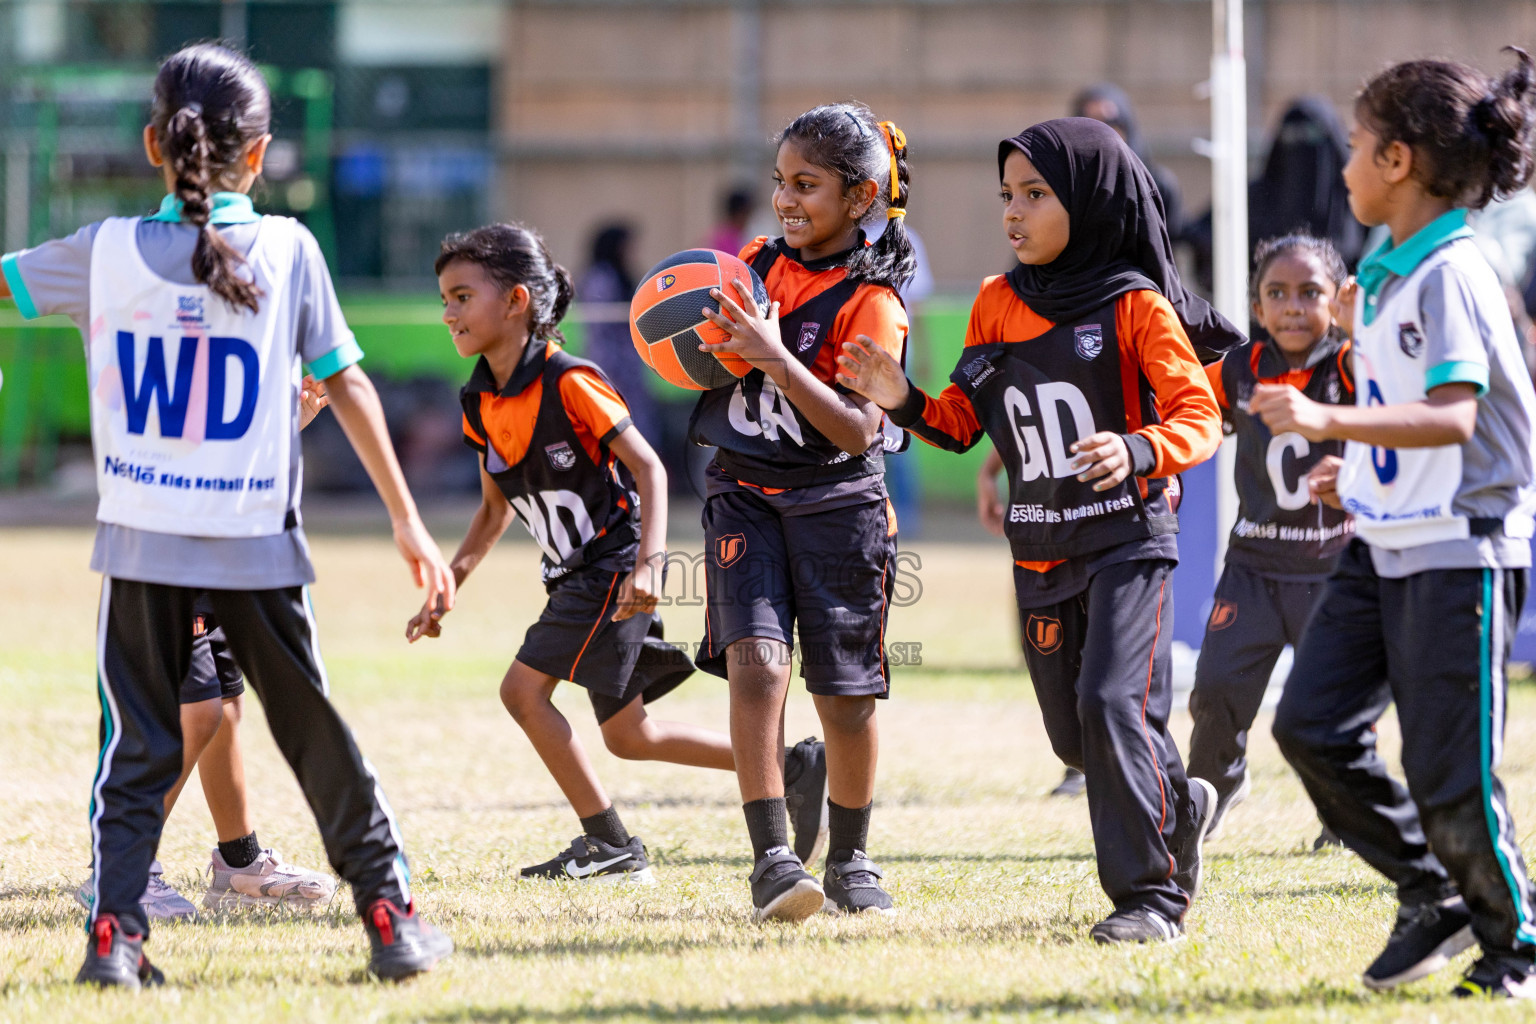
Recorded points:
996,883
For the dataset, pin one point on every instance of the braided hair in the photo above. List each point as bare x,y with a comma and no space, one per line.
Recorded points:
846,139
210,103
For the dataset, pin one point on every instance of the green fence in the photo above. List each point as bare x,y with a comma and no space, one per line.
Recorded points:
43,397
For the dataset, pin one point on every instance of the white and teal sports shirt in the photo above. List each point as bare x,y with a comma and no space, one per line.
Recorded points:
1432,312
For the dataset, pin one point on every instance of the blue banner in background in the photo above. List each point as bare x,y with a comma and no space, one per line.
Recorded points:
1194,581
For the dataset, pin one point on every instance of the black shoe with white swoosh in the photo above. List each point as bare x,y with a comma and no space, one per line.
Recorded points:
589,859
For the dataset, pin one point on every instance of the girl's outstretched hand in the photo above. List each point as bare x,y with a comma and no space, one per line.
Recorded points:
753,336
1283,408
427,565
312,398
867,368
1343,307
1101,457
427,622
1323,480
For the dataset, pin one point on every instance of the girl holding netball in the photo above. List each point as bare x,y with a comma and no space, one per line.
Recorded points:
798,531
558,448
198,474
1438,474
1078,365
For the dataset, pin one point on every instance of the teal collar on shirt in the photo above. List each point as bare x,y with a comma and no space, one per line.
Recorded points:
228,208
1389,261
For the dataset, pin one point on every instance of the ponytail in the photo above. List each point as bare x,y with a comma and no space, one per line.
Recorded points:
210,103
1504,118
846,140
891,260
512,255
1470,134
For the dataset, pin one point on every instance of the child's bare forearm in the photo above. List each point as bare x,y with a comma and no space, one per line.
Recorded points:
1426,424
651,484
490,521
357,409
844,423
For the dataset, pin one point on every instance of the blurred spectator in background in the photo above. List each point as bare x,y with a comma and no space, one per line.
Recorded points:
1300,189
1107,102
730,234
1505,231
608,280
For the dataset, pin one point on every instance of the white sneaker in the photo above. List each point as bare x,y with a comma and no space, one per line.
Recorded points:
265,882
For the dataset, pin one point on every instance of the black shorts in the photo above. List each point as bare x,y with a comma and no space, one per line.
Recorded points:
213,673
615,662
828,575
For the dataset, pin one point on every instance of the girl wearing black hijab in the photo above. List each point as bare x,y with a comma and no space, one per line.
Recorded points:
1078,365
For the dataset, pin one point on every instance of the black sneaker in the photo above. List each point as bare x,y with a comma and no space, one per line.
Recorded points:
852,884
589,859
1139,924
1073,783
400,943
1190,857
1423,940
1234,798
114,958
782,890
805,796
1326,840
1498,978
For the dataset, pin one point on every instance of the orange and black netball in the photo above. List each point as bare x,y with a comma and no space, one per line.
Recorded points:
667,326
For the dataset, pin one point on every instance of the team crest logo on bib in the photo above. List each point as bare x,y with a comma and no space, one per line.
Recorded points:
808,334
729,549
978,370
1088,340
1410,340
1044,633
560,456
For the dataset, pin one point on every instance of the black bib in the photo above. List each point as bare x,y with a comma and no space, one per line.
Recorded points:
578,512
1034,399
1280,528
762,438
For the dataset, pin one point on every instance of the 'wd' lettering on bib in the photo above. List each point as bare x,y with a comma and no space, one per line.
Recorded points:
193,402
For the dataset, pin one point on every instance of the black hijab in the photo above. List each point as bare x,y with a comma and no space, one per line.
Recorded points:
1302,187
1119,241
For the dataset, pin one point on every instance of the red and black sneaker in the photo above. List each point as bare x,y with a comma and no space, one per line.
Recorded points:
402,944
115,958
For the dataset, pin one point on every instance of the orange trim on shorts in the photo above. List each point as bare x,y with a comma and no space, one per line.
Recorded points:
885,670
599,622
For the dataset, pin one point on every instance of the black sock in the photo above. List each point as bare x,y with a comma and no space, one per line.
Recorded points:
767,824
242,852
605,825
848,827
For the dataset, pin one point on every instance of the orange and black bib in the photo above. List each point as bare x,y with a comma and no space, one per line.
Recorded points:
763,439
1034,399
579,512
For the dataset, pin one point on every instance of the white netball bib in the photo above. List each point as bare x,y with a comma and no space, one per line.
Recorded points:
193,402
1403,497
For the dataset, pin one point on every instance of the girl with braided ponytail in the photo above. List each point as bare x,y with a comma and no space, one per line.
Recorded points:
1438,473
799,531
559,449
199,321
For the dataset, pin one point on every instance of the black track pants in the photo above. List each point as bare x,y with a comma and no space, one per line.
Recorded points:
1252,620
144,649
1436,643
1102,670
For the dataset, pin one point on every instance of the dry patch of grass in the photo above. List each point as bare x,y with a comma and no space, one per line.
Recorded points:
996,883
